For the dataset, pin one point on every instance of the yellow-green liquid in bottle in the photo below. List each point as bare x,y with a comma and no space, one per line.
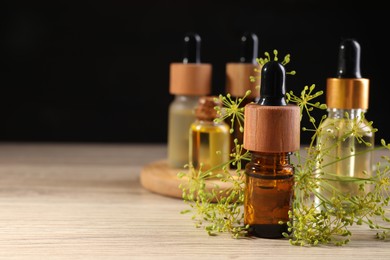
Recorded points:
181,116
342,155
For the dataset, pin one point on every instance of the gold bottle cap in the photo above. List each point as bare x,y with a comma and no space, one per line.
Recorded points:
347,93
190,79
238,79
272,129
348,90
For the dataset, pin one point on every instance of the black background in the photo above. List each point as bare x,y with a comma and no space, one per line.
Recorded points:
98,71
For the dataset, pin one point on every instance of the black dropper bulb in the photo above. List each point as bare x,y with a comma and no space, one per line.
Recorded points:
272,86
249,47
349,59
191,48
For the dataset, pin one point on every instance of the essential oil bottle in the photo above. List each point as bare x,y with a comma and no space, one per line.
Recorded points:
188,81
271,135
347,97
238,82
209,139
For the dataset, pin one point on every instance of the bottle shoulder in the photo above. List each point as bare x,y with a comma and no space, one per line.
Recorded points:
183,103
270,168
358,126
205,126
332,122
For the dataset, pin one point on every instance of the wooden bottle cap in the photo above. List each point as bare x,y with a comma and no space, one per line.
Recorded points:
272,129
205,109
190,79
238,79
347,93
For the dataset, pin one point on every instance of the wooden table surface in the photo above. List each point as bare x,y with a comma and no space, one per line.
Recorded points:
85,201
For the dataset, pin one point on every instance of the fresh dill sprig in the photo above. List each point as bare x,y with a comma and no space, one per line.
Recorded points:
217,209
233,109
267,58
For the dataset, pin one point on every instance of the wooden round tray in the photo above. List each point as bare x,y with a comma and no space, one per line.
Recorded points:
159,178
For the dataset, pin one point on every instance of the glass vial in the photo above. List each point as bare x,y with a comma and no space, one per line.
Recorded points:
188,81
238,82
347,101
208,139
271,134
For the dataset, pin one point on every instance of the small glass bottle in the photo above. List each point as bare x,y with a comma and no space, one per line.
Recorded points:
271,134
238,82
347,101
208,139
188,81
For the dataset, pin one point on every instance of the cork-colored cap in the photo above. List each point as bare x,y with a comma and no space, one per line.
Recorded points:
238,79
190,79
347,93
205,109
272,129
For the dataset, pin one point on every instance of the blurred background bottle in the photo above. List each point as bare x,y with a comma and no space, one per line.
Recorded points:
188,81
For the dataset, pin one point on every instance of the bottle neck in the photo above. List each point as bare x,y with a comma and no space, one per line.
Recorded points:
271,158
341,113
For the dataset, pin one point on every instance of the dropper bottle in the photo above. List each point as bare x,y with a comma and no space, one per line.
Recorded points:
347,98
271,135
188,81
238,82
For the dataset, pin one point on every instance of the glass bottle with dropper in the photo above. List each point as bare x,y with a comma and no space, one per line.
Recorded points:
188,81
347,97
238,82
271,135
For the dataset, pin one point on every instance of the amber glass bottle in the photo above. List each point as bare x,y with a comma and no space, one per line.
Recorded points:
238,82
271,134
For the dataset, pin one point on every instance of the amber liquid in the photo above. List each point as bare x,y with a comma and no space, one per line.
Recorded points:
209,145
268,194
